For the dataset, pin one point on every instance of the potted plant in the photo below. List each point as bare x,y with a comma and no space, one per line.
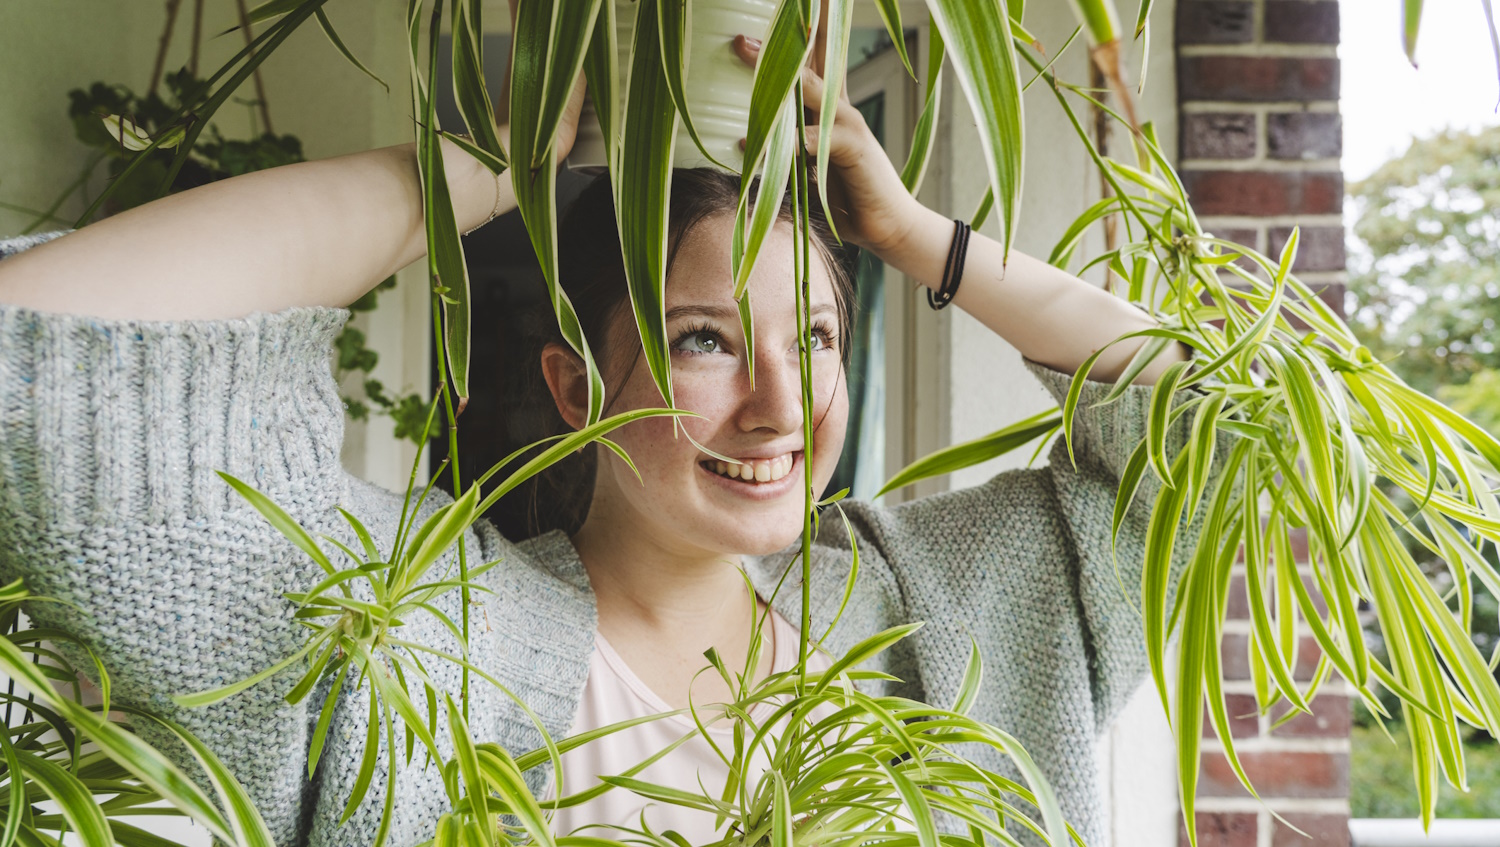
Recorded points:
1318,426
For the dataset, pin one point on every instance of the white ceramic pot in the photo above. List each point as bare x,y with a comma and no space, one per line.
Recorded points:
717,83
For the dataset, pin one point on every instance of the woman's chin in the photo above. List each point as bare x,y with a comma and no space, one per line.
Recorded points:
761,535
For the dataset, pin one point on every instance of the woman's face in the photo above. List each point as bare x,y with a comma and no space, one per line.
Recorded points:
686,503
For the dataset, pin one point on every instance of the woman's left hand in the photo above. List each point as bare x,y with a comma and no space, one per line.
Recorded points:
870,205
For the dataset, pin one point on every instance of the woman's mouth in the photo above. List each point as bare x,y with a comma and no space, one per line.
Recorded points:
754,471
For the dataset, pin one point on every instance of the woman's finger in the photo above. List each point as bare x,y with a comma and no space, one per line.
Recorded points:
812,89
747,48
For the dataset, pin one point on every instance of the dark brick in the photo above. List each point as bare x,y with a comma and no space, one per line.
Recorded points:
1265,193
1302,23
1247,237
1308,656
1329,719
1335,295
1238,607
1319,248
1244,720
1277,774
1304,135
1317,829
1257,78
1221,829
1297,536
1218,135
1215,22
1234,656
1332,295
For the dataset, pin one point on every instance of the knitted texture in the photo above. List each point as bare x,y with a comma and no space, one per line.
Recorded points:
110,433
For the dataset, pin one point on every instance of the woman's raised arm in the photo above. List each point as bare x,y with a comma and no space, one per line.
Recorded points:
311,234
1051,316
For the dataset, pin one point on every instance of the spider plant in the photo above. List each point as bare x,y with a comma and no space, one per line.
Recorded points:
833,765
1308,431
1322,437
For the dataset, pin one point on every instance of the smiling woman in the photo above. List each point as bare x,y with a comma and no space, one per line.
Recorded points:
1021,568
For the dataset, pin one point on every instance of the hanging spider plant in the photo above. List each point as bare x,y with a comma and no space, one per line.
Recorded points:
1308,432
1320,437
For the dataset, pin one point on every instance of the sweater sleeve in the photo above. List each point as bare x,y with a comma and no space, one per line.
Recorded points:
110,435
1022,567
1109,581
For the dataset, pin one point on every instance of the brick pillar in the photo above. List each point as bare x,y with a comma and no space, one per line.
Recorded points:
1260,135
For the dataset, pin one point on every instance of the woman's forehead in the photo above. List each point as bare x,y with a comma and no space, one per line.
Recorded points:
701,275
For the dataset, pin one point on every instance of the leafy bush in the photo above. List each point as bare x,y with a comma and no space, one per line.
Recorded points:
1380,778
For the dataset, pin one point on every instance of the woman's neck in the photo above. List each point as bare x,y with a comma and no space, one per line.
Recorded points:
658,585
661,607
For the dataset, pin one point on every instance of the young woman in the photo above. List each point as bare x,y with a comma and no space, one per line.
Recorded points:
145,352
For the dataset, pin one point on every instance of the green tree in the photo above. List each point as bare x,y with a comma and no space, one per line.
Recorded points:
1424,265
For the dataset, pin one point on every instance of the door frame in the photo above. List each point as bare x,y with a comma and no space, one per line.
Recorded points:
916,338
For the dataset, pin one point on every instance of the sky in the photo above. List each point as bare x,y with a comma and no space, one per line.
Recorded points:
1386,102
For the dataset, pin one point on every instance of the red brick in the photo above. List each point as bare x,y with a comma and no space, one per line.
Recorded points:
1298,538
1304,135
1234,656
1215,22
1238,607
1214,135
1302,23
1320,830
1277,774
1265,193
1329,719
1308,656
1257,78
1319,248
1333,295
1221,829
1244,721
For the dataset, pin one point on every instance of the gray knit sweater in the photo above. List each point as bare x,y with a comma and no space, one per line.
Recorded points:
110,433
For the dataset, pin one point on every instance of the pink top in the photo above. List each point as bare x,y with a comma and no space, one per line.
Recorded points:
614,693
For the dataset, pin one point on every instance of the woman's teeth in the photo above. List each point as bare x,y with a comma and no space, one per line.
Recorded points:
754,470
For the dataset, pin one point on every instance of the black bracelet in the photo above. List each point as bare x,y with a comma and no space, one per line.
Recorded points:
953,269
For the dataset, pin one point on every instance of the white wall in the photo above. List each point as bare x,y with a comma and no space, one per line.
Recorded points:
48,48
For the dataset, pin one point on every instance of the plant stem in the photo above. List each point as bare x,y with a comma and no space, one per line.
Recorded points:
452,420
197,37
166,41
804,365
260,86
1101,141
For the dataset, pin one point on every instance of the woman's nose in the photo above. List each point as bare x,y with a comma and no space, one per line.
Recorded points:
775,403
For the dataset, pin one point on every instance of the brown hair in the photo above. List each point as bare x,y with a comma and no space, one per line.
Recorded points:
592,273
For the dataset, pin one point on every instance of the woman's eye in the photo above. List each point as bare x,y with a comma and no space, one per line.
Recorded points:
822,339
699,342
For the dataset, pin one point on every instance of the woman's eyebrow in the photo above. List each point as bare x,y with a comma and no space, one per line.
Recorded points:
722,313
702,310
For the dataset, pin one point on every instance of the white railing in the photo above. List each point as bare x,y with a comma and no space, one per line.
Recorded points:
1398,832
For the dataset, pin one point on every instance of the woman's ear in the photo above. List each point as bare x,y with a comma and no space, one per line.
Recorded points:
568,380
